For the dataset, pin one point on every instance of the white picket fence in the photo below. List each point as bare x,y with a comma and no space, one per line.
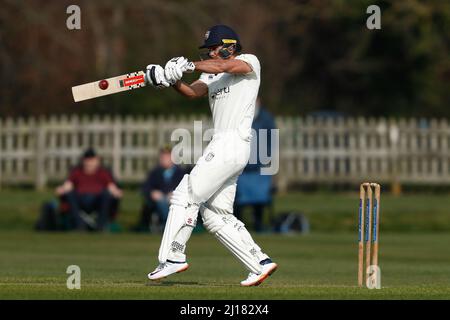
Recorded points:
312,150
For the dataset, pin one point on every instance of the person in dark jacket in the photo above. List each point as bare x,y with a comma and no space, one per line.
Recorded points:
157,189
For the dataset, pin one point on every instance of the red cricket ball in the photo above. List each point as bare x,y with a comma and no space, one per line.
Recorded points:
103,84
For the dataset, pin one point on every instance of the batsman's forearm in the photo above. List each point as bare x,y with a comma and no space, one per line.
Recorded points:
218,66
185,89
210,66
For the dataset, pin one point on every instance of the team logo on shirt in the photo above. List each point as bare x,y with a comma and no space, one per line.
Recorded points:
209,156
220,93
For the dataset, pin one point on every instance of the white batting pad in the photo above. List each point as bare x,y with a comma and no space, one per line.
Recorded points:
232,240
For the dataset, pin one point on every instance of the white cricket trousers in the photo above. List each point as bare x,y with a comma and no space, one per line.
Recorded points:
211,188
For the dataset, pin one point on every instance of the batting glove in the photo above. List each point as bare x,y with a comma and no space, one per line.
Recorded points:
155,76
174,69
189,67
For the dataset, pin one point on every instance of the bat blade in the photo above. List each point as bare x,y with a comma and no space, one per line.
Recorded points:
126,82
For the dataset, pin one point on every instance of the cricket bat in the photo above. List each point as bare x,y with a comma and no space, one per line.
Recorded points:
129,81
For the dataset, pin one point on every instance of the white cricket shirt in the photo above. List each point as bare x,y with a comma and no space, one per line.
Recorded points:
232,97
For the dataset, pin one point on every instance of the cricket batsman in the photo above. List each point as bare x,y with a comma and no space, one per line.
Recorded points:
231,81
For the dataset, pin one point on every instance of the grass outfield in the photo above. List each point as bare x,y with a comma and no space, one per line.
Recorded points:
414,255
315,266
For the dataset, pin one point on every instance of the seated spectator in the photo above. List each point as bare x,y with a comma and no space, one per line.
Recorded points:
157,189
90,188
253,189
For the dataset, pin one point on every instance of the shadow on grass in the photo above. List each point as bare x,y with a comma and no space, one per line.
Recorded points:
163,283
174,283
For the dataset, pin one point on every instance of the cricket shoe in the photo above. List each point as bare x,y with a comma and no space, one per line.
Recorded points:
254,279
167,268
